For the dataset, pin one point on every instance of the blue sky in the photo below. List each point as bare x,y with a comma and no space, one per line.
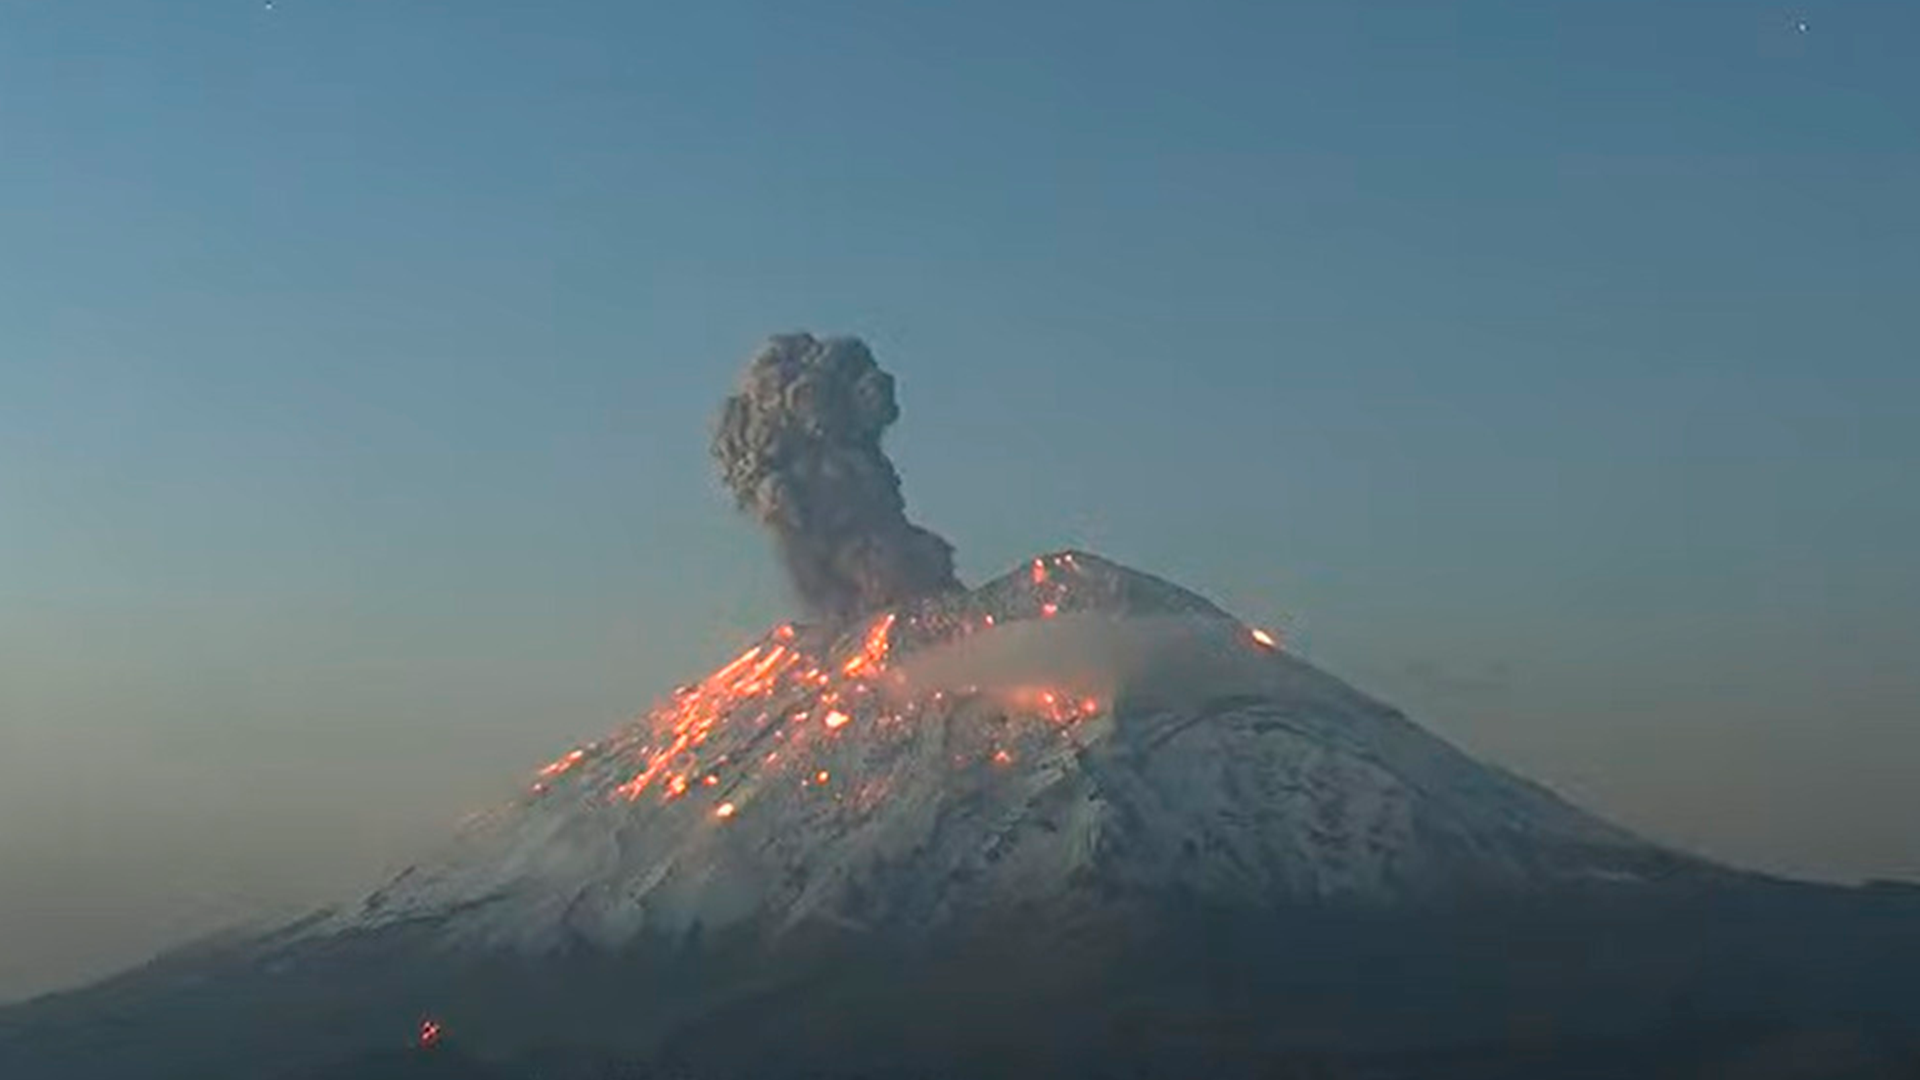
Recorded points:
1548,368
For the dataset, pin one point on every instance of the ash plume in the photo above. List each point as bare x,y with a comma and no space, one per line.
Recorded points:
799,446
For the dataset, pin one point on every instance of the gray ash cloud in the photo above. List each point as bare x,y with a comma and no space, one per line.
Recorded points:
798,444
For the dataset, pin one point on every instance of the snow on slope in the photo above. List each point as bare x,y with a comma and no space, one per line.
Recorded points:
1069,733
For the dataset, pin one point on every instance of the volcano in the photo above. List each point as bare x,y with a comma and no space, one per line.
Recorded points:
1070,735
1075,822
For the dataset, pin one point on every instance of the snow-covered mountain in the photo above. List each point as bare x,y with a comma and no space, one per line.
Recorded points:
1075,822
1068,734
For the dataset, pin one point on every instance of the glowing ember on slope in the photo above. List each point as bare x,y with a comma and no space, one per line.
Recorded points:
739,662
724,810
1052,704
873,652
568,761
429,1033
1264,639
837,719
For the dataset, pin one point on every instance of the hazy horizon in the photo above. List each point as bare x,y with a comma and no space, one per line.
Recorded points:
1546,372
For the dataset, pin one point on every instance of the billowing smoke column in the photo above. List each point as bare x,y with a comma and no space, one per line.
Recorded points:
799,445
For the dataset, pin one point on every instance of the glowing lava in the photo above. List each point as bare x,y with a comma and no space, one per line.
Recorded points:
761,707
555,768
873,653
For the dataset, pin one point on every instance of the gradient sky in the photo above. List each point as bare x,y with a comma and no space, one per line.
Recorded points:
1548,368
